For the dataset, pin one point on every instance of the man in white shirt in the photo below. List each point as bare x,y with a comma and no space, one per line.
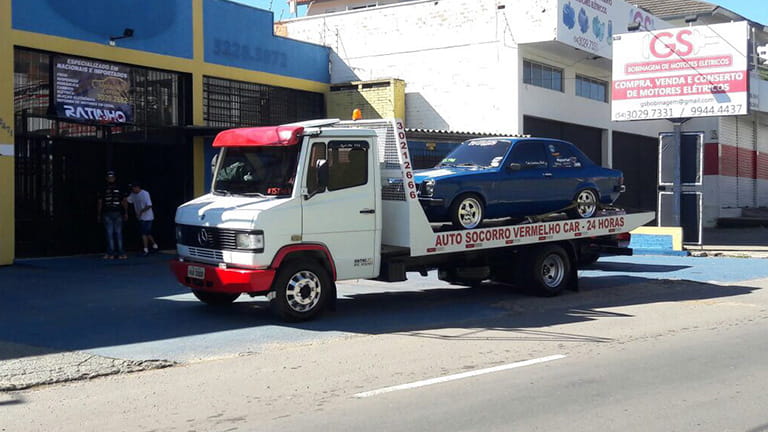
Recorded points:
142,205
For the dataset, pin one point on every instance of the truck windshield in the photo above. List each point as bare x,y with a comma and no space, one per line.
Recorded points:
481,153
261,170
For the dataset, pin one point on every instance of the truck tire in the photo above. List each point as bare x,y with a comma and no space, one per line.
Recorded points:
467,211
301,289
546,271
215,298
584,204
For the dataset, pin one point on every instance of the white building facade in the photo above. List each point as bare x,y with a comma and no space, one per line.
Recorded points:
538,66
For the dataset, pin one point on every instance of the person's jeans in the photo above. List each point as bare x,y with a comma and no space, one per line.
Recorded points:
113,225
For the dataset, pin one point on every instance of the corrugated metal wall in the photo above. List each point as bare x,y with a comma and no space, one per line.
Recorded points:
738,162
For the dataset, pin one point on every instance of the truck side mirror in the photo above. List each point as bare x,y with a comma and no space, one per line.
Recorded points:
322,174
514,166
320,181
214,159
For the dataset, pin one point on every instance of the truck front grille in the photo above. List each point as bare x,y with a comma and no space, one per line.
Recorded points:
206,253
207,237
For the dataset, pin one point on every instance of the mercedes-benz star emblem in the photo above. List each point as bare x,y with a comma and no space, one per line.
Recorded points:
202,237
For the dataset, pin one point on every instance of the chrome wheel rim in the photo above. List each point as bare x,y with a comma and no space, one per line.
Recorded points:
586,203
470,213
303,291
552,270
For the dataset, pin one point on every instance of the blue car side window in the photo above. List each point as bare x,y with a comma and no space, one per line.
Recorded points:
563,155
529,154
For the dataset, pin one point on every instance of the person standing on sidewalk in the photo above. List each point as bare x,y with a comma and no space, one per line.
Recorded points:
112,210
142,205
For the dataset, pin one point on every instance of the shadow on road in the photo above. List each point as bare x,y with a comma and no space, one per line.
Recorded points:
83,303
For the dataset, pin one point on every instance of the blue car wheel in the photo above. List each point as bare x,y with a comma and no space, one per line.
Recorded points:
585,204
467,211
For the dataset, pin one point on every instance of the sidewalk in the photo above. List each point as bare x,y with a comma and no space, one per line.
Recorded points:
740,242
69,296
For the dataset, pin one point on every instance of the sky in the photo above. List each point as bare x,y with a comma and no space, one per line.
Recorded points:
755,10
278,7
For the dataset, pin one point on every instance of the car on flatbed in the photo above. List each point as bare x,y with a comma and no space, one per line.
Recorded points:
491,178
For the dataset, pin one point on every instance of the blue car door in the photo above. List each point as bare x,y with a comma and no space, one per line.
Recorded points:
522,189
568,171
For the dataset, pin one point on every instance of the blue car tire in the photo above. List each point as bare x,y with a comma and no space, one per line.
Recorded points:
585,204
467,211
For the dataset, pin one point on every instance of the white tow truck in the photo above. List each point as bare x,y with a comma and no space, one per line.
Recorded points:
297,207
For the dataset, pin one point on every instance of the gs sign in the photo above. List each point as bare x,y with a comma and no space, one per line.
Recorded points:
664,44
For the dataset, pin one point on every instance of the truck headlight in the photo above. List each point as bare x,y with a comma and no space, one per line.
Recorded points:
428,188
179,234
250,241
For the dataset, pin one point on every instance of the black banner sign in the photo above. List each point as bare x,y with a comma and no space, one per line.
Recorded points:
92,91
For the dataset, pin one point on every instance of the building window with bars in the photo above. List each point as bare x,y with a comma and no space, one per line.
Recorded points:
542,75
591,88
228,103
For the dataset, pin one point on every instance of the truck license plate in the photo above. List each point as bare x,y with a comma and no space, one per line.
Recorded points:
196,272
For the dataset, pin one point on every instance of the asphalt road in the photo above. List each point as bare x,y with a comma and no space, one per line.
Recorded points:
710,380
650,343
135,310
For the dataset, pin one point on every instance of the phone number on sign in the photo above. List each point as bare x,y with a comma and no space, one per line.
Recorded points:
705,110
642,114
688,111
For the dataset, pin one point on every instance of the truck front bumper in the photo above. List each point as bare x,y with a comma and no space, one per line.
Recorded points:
205,277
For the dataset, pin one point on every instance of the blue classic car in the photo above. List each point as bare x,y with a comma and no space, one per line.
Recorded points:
493,178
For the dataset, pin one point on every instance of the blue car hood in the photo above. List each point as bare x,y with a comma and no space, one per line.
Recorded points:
441,173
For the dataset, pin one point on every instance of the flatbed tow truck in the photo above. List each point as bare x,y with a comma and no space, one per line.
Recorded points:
335,200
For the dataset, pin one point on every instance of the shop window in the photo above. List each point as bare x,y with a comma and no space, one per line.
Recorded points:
542,75
591,88
44,95
228,103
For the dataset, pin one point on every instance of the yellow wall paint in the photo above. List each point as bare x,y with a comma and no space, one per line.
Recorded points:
675,232
7,200
198,150
7,221
198,165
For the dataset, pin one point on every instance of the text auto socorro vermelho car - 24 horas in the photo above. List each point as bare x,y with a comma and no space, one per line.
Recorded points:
492,178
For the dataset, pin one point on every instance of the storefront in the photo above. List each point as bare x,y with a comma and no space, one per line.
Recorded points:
137,90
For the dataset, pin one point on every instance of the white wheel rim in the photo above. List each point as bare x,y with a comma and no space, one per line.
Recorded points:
552,270
586,203
470,213
303,291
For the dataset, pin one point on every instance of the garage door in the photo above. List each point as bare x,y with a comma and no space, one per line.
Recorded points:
638,157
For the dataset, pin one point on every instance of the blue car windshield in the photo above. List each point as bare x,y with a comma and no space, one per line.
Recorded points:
482,153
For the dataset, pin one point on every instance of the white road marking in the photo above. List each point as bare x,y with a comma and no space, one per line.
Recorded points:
459,376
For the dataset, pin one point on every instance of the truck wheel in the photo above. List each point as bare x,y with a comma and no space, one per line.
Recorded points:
215,298
547,271
300,291
467,211
585,204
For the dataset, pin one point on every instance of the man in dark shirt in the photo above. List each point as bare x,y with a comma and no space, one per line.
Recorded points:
112,210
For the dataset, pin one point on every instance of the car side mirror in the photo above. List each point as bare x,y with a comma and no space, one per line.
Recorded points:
514,166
